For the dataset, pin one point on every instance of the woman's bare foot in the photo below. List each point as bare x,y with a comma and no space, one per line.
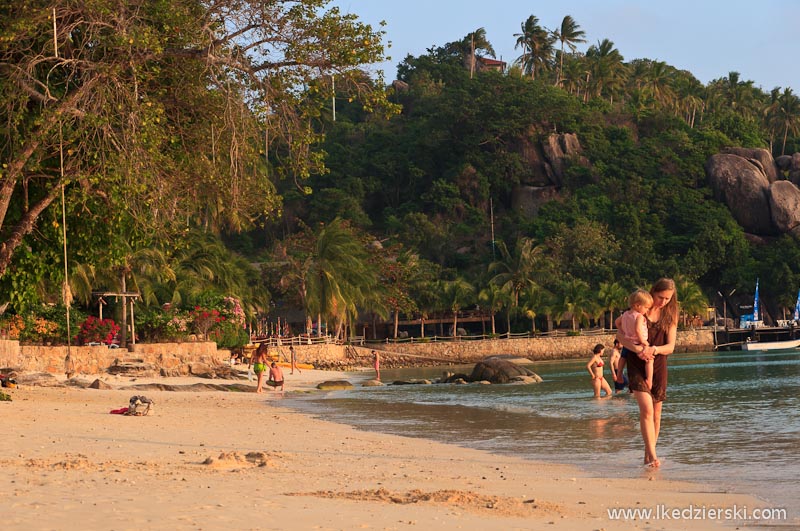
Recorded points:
652,463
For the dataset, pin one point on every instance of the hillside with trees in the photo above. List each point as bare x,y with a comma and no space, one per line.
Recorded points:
201,162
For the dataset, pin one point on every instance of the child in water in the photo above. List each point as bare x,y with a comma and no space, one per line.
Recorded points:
633,325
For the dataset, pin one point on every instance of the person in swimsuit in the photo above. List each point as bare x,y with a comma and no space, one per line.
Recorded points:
293,357
376,363
662,328
620,380
275,376
595,368
259,362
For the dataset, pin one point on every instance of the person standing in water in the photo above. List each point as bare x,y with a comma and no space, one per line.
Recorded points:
376,363
662,329
595,368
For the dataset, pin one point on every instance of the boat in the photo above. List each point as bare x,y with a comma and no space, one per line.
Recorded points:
760,346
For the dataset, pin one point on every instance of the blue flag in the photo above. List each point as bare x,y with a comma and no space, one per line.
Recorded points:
755,304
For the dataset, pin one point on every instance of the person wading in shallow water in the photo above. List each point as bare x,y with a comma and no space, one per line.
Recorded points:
595,368
376,363
662,328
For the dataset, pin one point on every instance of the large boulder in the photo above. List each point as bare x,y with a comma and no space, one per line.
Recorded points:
499,371
334,385
760,158
743,186
785,205
784,162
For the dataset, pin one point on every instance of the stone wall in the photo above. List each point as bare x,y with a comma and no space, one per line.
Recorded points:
96,360
534,348
175,357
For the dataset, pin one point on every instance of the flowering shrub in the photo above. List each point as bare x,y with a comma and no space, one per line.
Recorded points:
204,320
94,330
15,326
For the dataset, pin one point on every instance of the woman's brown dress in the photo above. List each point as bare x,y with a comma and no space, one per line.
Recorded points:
656,336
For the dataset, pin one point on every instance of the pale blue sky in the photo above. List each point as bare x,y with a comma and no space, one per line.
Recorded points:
760,40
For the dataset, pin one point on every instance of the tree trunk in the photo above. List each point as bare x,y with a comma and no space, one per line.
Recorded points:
455,323
396,322
494,332
24,227
123,340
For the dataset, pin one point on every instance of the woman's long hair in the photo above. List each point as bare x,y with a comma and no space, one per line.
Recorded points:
669,313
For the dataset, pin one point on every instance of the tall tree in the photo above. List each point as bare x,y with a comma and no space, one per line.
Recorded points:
162,107
569,34
537,47
606,69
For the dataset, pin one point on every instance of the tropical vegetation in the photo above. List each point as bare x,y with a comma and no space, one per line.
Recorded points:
194,158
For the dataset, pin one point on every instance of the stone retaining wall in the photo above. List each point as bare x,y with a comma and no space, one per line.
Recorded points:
96,360
543,348
174,357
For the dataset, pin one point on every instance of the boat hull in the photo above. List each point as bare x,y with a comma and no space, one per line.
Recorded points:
793,344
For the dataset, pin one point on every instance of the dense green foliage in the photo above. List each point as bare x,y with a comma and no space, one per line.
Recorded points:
183,185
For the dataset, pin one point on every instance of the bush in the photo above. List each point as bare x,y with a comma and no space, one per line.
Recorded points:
95,330
44,324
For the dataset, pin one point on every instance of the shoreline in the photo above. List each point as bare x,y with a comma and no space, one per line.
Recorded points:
239,460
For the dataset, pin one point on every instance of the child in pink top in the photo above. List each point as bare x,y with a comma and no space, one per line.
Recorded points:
633,325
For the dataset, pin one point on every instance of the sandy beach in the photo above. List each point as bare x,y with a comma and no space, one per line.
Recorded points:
239,460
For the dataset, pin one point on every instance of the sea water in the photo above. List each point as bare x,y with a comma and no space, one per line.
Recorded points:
731,419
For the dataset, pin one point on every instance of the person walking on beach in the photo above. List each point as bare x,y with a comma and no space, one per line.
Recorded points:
662,327
595,368
620,380
275,376
259,362
633,325
376,363
293,358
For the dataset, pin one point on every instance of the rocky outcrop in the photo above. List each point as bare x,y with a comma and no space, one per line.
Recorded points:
334,385
499,371
529,199
784,198
760,158
754,188
742,186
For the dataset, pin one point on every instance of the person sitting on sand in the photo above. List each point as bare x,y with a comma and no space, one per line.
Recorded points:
259,363
275,376
595,368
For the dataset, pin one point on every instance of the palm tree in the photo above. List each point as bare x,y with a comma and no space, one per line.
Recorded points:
606,69
568,34
534,301
456,294
575,300
612,297
515,272
693,302
494,299
789,113
537,47
330,271
471,44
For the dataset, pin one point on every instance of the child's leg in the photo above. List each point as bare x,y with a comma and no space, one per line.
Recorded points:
648,370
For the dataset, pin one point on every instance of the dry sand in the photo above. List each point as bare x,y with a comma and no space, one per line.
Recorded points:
232,460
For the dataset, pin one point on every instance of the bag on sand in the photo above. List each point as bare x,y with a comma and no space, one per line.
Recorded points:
140,406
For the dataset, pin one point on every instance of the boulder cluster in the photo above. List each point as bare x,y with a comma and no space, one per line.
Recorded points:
762,193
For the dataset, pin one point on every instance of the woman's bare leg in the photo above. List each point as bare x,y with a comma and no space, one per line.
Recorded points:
647,426
657,418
